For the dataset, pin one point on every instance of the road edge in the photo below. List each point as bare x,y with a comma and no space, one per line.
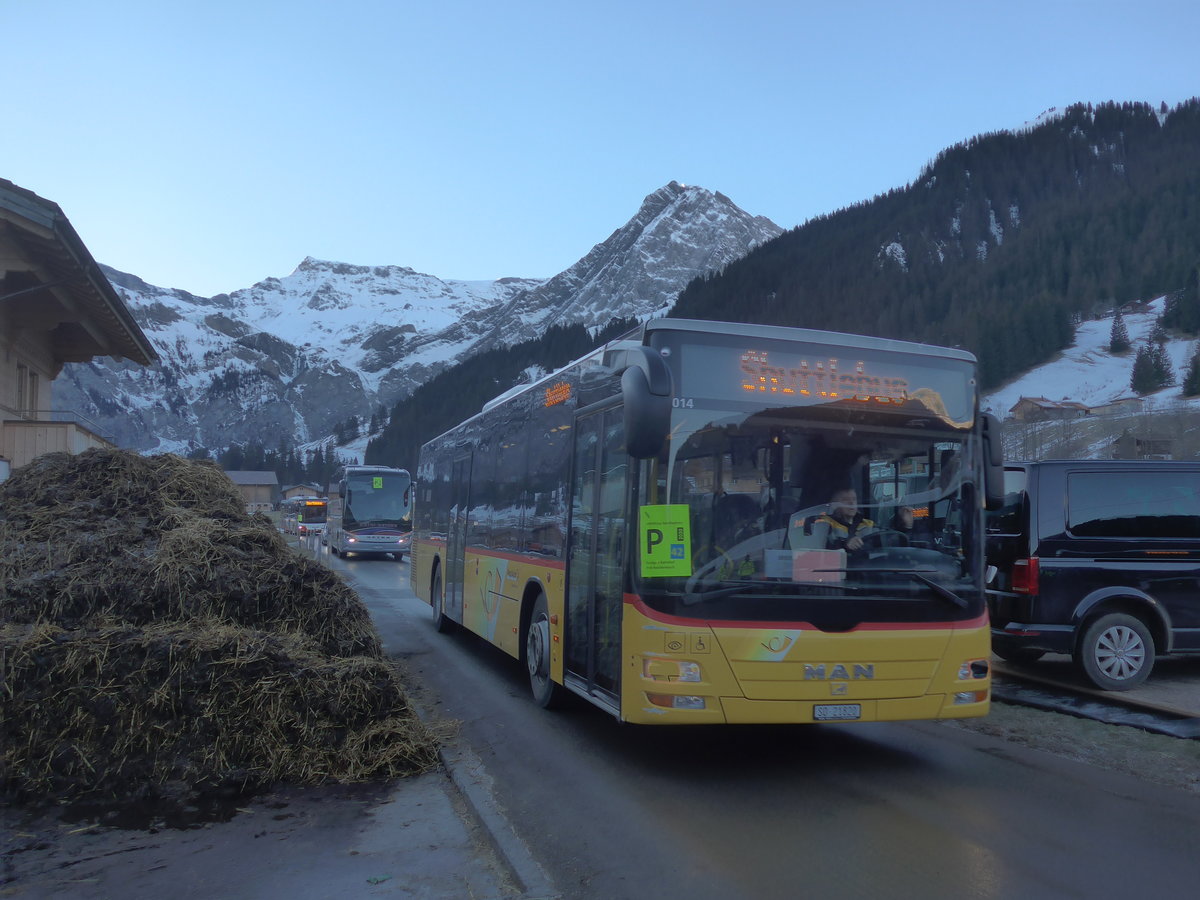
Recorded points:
469,778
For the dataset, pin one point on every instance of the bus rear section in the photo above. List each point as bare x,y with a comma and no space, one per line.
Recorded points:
795,546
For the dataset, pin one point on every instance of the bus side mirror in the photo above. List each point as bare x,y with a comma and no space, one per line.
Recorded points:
993,463
646,390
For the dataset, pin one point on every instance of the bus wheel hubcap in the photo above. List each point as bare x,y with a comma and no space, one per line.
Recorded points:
539,637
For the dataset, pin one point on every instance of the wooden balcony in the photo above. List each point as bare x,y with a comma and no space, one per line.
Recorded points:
22,438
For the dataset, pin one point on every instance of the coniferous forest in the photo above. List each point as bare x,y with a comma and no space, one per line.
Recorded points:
998,247
1001,245
461,391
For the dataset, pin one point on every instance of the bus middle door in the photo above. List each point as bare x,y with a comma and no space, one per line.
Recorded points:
456,540
595,567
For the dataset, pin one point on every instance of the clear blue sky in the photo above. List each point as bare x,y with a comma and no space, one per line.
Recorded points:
208,144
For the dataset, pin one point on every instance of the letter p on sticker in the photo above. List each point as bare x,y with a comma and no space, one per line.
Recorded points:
654,537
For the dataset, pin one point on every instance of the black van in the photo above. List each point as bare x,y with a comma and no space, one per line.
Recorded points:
1099,559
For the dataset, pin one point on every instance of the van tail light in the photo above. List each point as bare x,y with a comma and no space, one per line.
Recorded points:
1025,576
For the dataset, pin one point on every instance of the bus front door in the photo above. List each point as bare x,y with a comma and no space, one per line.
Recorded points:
597,555
456,540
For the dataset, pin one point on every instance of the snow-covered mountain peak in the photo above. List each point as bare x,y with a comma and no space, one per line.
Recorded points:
290,357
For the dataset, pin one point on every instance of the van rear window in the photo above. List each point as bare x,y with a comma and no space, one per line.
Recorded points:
1134,504
1008,519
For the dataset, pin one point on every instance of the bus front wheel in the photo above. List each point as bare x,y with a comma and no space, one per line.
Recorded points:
546,693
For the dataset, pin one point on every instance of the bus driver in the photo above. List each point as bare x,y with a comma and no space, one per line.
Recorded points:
846,525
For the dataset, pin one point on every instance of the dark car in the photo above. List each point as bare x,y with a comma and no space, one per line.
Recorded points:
1099,559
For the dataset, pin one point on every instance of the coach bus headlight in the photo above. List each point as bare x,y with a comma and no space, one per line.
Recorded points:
676,701
973,669
671,670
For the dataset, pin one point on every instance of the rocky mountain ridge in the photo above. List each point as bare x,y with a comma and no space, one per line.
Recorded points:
287,359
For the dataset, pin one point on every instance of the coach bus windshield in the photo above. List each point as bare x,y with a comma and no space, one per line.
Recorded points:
377,498
850,503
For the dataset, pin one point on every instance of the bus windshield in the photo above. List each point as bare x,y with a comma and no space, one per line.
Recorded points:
836,506
312,512
377,498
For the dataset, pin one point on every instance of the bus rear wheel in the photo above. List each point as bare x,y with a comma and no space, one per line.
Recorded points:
546,693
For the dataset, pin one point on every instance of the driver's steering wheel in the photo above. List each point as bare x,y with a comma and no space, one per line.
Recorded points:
884,537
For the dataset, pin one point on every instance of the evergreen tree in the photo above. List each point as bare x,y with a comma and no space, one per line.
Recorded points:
1142,377
1183,309
1191,381
1164,373
233,458
1118,338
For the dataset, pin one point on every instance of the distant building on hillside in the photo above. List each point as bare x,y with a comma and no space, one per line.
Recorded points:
1127,403
1142,446
1039,409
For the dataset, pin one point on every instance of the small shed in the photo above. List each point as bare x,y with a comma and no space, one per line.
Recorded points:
1143,446
1124,403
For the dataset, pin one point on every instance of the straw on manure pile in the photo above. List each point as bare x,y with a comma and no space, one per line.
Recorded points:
156,642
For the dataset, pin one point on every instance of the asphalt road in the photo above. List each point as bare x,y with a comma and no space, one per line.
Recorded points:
896,810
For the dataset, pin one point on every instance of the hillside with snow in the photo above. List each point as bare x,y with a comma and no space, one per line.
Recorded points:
1087,373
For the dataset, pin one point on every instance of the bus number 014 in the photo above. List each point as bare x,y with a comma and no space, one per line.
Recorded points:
683,403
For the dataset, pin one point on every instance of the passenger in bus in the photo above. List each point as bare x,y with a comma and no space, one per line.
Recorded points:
913,533
737,519
845,523
902,520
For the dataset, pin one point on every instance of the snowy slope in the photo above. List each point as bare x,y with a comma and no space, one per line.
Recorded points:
1087,373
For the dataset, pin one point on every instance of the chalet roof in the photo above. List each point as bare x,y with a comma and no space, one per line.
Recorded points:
248,477
50,281
1043,403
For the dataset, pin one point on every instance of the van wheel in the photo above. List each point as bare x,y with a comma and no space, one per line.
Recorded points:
546,693
1116,652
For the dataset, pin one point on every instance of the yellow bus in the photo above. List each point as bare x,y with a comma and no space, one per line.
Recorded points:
651,527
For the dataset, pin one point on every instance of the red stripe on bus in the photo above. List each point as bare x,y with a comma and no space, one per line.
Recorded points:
546,562
635,601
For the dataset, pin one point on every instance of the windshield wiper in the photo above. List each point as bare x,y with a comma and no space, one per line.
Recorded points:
745,587
918,575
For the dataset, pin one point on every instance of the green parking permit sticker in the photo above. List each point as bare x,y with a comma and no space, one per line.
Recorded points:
665,535
377,482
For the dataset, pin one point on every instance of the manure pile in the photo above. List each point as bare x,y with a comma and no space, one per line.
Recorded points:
158,644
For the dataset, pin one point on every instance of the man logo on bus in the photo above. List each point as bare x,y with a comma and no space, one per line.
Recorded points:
838,672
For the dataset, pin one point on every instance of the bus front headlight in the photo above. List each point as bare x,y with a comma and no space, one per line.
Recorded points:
671,670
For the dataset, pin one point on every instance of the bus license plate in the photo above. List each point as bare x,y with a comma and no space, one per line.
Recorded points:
837,712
